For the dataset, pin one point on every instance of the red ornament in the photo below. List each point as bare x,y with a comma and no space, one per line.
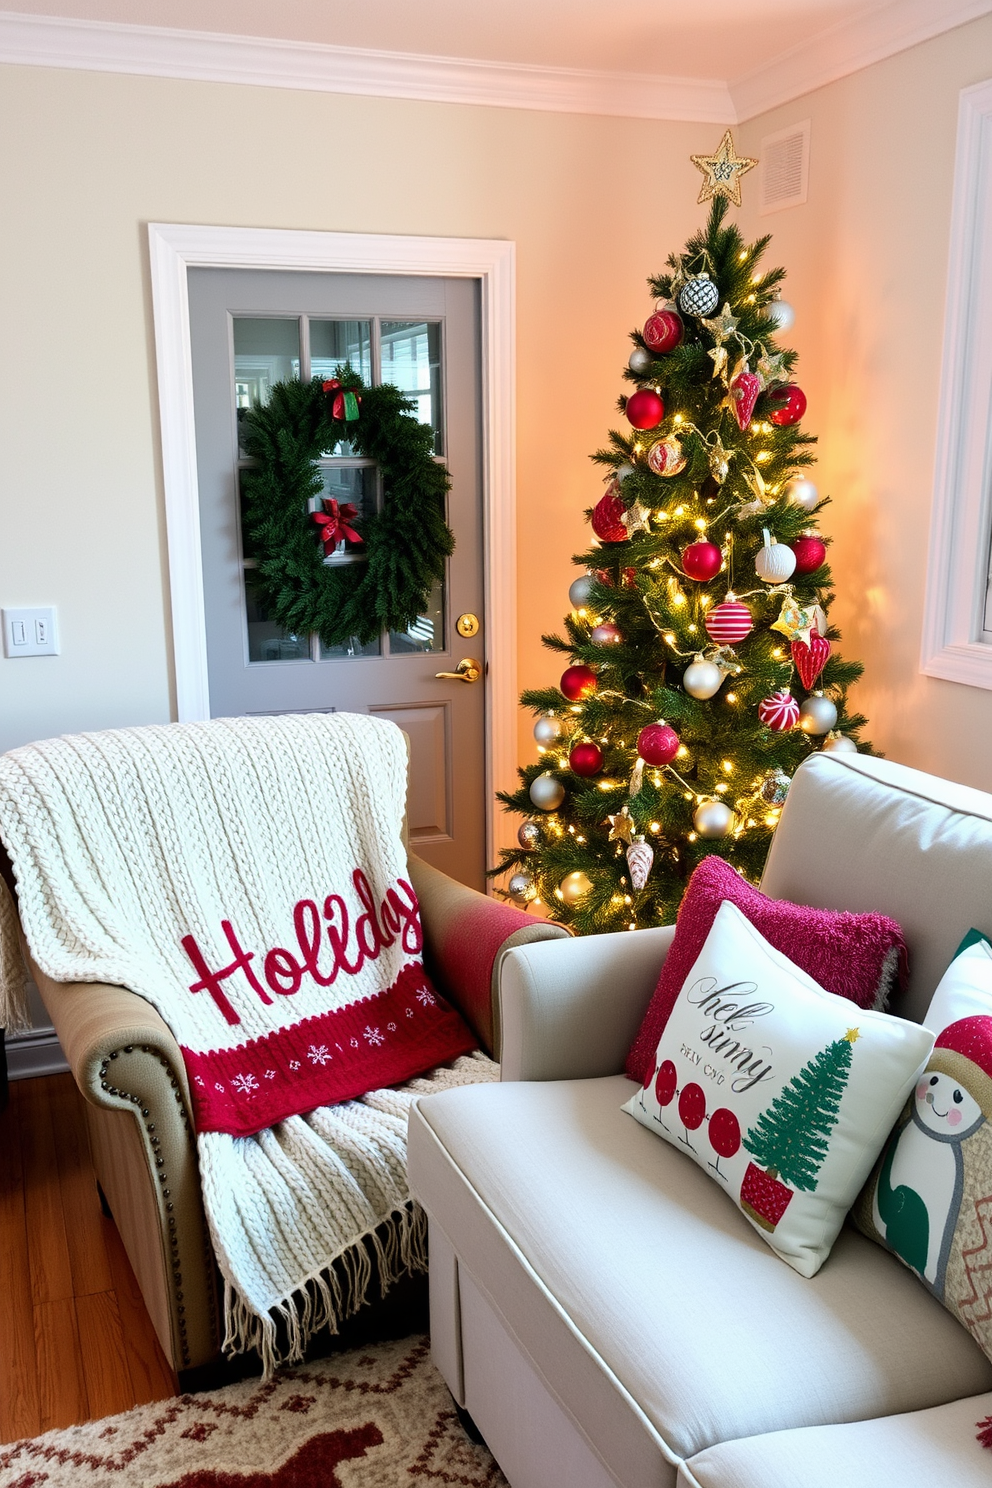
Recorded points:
701,561
578,682
692,1107
663,331
810,660
729,623
628,577
644,409
605,634
335,523
725,1133
666,1083
667,457
657,744
585,759
606,516
811,553
779,712
790,403
744,392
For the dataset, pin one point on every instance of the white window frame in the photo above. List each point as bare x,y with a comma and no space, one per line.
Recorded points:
955,643
174,249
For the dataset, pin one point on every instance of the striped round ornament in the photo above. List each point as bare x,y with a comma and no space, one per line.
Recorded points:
729,623
779,712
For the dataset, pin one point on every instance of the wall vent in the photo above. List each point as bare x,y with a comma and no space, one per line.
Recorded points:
785,168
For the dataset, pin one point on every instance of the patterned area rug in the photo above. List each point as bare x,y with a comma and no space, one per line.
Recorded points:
377,1417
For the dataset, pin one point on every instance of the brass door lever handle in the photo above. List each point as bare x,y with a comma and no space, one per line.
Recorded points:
468,670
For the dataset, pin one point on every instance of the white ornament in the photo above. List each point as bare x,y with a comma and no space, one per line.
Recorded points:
839,744
775,562
548,730
575,886
817,714
640,360
640,856
546,792
713,819
781,313
702,679
623,471
578,593
698,296
522,888
802,492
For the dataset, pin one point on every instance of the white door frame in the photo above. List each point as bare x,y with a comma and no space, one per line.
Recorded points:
173,249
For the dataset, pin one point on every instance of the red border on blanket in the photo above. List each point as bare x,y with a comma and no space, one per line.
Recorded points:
333,1056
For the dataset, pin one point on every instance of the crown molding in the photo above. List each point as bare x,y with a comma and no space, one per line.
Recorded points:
153,51
848,47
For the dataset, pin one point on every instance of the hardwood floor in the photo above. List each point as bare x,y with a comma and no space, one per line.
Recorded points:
75,1340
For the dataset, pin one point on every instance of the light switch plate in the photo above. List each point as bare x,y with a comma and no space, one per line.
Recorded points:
30,632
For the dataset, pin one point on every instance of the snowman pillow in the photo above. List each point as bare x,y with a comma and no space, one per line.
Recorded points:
782,1092
929,1199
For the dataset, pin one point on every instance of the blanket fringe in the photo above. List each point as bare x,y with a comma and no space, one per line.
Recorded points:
395,1248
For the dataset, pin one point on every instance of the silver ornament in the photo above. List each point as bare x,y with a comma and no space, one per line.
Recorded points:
546,792
548,730
522,888
713,819
640,856
781,314
775,787
698,296
578,593
529,835
702,679
839,744
640,361
802,492
575,886
817,714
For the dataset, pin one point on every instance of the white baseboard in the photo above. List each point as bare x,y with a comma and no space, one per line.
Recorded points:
36,1053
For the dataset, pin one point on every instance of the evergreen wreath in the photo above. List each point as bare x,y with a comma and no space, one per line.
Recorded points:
406,541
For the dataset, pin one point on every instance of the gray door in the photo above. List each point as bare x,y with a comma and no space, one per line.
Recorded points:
250,329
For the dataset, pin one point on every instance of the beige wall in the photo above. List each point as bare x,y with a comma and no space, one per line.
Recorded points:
89,159
867,260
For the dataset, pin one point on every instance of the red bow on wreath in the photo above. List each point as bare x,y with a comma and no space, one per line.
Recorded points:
344,404
334,524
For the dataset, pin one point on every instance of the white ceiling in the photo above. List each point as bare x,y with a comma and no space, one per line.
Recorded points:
722,60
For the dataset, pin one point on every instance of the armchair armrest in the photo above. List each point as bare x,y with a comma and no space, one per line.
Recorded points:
570,1010
466,936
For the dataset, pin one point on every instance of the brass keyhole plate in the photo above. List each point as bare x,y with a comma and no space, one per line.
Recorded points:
467,625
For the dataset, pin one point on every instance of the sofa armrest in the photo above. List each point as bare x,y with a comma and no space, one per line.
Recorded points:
570,1010
466,935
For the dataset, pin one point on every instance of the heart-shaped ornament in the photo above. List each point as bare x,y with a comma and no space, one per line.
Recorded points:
810,660
744,391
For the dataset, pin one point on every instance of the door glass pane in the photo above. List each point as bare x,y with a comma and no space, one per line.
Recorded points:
426,633
266,351
332,344
411,360
354,647
266,640
348,485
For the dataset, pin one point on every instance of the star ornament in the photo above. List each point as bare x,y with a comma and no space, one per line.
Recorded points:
622,827
723,171
636,518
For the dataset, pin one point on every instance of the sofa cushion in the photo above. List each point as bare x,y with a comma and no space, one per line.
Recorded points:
920,1450
929,1198
783,1093
857,956
645,1300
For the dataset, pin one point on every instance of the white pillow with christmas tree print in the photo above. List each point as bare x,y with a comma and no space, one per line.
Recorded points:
929,1199
783,1092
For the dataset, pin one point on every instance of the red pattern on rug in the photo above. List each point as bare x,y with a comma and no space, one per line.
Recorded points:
311,1467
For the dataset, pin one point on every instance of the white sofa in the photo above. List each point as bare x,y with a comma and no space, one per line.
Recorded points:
600,1308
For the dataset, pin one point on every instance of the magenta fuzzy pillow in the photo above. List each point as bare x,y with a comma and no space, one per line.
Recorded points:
858,956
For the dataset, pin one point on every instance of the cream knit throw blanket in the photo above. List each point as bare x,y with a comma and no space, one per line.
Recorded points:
248,877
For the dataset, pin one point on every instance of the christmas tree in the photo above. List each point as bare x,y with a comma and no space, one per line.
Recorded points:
701,670
790,1138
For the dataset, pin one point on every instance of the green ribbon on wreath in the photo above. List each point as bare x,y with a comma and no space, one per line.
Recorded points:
406,542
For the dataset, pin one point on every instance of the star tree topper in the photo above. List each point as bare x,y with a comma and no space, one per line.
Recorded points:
723,171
